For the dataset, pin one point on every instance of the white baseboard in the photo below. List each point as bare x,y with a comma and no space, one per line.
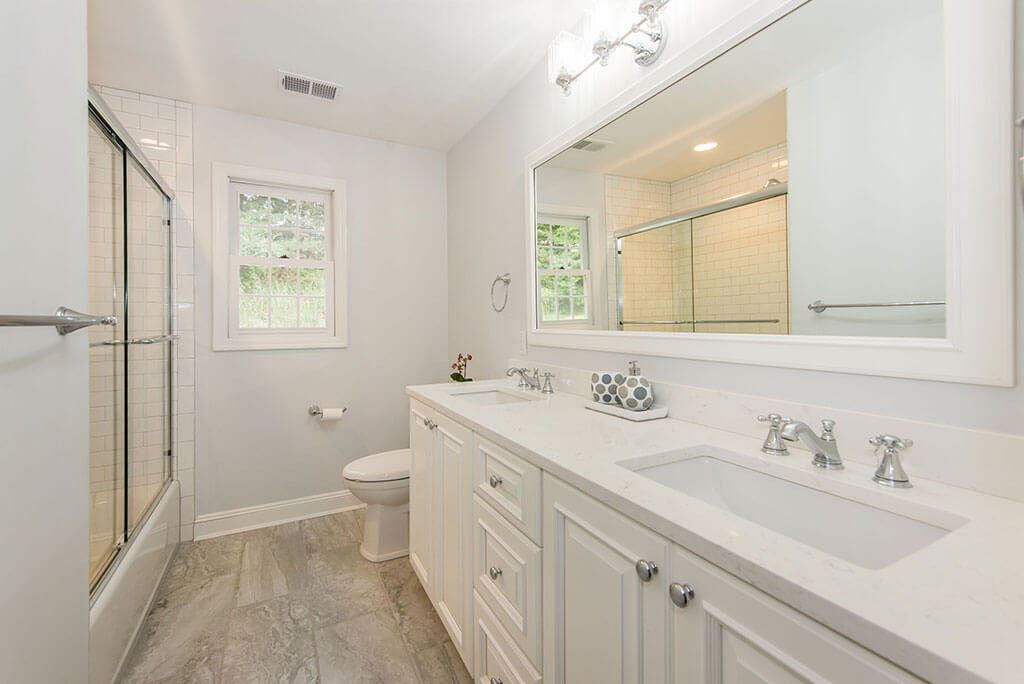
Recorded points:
266,515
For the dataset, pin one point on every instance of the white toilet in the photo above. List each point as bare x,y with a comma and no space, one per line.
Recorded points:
381,481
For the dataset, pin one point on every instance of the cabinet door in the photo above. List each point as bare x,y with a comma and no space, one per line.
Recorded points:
730,632
422,496
602,623
454,580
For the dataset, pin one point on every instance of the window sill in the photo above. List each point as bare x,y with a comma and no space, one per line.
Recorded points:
264,345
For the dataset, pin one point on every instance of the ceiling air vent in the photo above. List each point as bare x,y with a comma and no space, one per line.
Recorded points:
590,145
304,85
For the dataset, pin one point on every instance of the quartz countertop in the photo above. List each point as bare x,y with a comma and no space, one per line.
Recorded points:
951,612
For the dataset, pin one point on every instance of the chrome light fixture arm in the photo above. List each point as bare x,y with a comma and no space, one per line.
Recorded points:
645,51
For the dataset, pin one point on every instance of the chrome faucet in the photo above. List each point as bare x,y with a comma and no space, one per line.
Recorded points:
530,381
825,448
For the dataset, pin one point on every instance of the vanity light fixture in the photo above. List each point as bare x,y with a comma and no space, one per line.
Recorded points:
705,146
568,56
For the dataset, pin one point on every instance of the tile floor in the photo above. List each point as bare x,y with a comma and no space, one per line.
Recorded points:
292,603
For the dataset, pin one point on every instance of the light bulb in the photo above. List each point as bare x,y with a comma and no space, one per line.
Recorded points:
607,21
566,56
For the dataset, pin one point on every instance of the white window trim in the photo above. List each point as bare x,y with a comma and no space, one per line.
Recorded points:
223,278
575,214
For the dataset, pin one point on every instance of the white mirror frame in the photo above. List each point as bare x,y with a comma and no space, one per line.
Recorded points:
980,179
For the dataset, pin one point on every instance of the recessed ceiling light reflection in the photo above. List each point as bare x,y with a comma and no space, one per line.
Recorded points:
705,146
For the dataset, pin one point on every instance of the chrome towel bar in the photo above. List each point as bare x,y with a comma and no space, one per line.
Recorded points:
65,320
818,306
136,340
754,320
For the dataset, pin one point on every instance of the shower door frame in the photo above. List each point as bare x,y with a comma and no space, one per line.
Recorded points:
107,122
769,192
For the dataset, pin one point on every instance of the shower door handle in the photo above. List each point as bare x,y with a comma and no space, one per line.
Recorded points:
65,320
136,340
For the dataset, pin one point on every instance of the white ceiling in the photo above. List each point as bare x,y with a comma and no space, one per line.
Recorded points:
655,141
415,72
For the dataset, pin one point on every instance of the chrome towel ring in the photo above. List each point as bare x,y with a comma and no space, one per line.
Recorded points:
505,278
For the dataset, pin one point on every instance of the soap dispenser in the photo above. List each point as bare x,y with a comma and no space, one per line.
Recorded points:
636,393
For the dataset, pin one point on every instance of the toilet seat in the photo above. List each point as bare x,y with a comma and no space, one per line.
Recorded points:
387,466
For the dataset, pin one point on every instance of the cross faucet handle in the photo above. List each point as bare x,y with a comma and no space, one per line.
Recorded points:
773,443
891,442
890,471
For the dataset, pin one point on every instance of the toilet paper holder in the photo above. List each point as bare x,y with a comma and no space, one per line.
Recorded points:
315,410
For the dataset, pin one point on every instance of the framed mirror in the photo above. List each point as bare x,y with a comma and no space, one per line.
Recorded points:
828,189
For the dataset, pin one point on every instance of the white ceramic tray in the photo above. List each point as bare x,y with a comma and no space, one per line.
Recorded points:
653,413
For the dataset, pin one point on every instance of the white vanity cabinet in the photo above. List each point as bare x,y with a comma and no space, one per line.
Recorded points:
537,581
440,519
602,622
729,632
608,620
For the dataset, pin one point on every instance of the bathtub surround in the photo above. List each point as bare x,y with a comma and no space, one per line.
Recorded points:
487,228
259,453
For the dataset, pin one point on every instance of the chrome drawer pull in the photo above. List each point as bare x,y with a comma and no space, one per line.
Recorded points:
495,481
646,570
495,573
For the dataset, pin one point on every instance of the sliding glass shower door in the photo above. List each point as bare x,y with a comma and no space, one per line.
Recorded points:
130,363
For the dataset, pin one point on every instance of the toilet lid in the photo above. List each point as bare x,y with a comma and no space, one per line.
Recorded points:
382,467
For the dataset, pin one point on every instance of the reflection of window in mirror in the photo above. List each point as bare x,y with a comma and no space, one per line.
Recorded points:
563,271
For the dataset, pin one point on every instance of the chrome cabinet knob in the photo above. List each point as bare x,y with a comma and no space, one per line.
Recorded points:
429,424
495,481
495,573
646,569
681,594
495,680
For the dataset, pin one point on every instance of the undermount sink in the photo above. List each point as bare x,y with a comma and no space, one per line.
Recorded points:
492,397
868,536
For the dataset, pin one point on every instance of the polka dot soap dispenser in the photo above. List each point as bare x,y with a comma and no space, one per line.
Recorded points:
636,393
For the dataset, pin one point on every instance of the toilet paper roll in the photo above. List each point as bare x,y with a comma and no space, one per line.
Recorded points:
331,415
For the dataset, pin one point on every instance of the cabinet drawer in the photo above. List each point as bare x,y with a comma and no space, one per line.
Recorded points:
742,634
510,484
497,658
507,577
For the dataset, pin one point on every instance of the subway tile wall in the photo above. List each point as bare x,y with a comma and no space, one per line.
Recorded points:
649,280
739,258
163,130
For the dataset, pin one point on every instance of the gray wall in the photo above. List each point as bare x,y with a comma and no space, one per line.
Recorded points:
486,234
44,381
255,443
